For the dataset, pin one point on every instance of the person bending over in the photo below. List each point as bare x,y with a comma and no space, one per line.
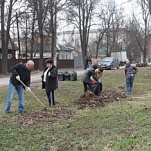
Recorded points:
20,72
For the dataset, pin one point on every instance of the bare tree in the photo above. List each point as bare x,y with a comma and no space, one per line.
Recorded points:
4,53
33,12
28,21
32,32
150,6
79,14
144,27
5,32
106,19
110,18
130,43
41,10
54,7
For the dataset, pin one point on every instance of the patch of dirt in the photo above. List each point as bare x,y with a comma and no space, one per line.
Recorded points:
44,116
90,100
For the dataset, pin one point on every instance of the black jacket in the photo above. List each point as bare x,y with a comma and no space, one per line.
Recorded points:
21,70
129,69
51,83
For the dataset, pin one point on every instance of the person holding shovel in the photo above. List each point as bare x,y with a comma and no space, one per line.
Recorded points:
130,72
20,72
50,80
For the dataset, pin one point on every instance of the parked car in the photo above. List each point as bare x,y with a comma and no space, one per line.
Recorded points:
141,64
109,63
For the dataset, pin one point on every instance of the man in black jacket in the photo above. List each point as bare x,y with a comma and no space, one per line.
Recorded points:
19,72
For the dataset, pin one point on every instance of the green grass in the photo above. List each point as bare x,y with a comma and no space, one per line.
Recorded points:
119,126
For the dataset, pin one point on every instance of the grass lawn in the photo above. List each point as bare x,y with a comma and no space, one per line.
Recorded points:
118,126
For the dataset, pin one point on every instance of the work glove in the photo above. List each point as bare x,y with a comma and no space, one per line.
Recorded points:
18,78
28,89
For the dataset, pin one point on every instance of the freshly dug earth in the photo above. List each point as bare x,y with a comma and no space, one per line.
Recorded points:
107,96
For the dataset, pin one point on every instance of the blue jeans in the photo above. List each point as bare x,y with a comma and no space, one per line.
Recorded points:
129,83
11,91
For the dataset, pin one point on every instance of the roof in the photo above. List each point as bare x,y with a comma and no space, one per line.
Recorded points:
64,48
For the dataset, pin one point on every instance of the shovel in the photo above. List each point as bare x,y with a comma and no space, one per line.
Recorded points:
33,94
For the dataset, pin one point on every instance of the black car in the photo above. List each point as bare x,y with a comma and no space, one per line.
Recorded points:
141,64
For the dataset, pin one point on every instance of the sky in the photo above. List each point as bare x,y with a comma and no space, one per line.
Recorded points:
130,7
123,3
126,5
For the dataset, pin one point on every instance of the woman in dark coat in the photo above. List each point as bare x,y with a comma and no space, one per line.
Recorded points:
50,80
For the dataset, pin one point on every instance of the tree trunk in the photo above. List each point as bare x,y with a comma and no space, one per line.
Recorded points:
41,51
19,55
150,6
26,39
53,28
98,44
39,9
3,37
32,37
144,57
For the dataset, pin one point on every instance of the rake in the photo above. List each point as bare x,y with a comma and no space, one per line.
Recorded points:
33,94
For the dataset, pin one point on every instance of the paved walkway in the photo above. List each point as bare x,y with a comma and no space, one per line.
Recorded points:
36,76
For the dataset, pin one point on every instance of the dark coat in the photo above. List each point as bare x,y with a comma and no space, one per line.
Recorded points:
129,69
87,74
51,83
21,70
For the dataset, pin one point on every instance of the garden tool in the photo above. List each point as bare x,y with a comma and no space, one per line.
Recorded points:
33,94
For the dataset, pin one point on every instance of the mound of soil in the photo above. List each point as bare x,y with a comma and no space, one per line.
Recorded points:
90,100
44,116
